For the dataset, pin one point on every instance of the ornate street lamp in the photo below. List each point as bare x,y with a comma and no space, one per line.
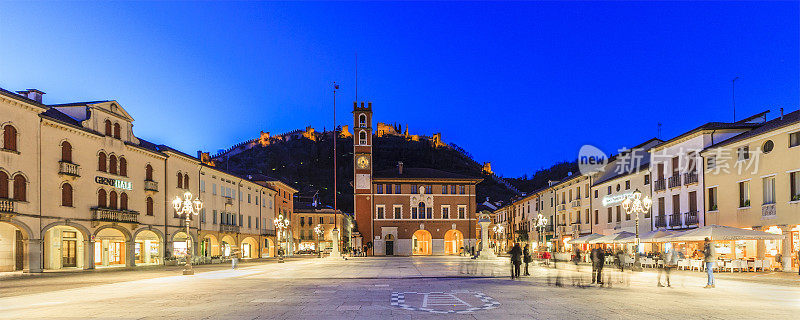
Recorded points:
187,207
498,230
319,230
541,222
635,204
281,225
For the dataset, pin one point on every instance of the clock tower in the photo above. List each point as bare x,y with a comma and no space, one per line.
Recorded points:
362,169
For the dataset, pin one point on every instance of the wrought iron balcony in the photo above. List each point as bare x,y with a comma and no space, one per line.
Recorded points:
768,210
659,184
268,232
228,228
228,200
6,205
689,178
675,220
675,181
69,169
691,218
576,203
661,221
115,215
150,185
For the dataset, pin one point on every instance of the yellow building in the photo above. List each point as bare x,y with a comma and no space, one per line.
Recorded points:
752,180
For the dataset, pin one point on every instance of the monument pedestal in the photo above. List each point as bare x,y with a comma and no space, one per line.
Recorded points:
486,252
335,249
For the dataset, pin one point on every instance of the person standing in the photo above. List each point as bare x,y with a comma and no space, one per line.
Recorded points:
526,254
598,257
670,261
516,260
709,257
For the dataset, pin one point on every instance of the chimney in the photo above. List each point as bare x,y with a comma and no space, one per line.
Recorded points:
781,113
32,94
400,167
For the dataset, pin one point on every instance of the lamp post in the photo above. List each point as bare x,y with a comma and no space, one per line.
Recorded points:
498,230
187,207
281,225
541,222
319,230
636,204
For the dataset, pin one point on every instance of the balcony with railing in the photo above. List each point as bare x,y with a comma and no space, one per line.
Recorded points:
6,205
114,215
675,220
229,228
268,232
228,200
561,207
674,181
659,184
68,168
689,178
576,203
768,211
661,221
150,185
691,218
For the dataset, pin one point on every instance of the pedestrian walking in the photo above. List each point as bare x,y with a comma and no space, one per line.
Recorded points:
798,262
516,260
598,257
709,257
670,261
526,255
234,259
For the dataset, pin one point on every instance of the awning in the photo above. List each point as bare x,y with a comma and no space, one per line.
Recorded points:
721,233
585,239
610,238
651,236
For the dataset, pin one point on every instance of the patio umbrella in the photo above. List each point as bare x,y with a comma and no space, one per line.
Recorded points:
585,239
652,236
721,233
610,238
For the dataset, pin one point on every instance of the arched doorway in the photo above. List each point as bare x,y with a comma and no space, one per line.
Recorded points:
453,241
389,240
147,248
249,248
210,246
109,248
180,246
421,243
269,248
13,247
227,245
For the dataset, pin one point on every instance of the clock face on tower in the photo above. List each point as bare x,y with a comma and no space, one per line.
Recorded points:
362,161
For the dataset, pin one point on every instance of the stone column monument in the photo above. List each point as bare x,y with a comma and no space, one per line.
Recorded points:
486,251
335,249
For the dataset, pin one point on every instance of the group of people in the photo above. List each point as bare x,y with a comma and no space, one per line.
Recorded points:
518,256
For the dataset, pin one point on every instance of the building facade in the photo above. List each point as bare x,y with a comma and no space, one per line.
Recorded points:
409,211
306,218
79,190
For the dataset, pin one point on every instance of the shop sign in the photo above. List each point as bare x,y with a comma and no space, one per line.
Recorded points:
616,198
119,184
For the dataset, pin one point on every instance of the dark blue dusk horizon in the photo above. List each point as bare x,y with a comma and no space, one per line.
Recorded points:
521,85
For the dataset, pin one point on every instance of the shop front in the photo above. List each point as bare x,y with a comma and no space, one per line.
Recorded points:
147,248
109,248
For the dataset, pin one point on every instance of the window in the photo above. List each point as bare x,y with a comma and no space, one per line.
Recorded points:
148,203
180,180
186,181
444,189
20,184
743,153
379,189
380,211
123,201
148,172
241,220
676,204
66,195
712,199
462,212
421,210
462,189
101,162
66,152
595,194
609,215
362,120
397,189
112,199
10,138
619,214
596,216
794,139
249,221
214,189
647,179
794,184
123,167
609,190
711,162
413,212
398,212
321,220
388,188
302,221
627,185
101,198
693,201
428,189
3,185
112,164
767,146
116,130
577,193
744,194
248,198
202,186
108,127
445,212
362,138
769,190
414,189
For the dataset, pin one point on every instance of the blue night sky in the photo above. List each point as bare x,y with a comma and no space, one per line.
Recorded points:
522,85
